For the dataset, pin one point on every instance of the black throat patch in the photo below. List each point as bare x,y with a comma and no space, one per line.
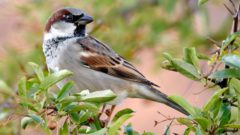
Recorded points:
80,30
52,44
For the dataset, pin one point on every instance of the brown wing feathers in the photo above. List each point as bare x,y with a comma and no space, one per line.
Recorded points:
109,62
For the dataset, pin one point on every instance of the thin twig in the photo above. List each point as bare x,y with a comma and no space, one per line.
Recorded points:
167,118
214,41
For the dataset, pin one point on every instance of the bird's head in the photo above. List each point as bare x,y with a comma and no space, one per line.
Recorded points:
67,22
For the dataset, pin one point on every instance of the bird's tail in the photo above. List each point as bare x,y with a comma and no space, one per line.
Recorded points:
157,96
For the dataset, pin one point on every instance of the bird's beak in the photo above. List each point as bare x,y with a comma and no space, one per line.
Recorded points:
85,20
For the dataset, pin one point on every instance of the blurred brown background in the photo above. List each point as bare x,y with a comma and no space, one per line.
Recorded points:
138,30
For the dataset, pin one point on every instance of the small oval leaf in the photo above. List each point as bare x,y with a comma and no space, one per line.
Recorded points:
54,78
232,60
225,73
212,103
121,113
37,69
25,121
99,96
64,91
114,127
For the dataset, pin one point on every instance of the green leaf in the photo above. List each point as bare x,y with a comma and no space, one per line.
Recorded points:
203,57
167,56
64,91
214,100
235,83
64,129
66,106
183,67
187,131
186,69
191,57
114,127
37,119
84,116
226,73
29,106
99,96
215,110
166,65
25,121
201,2
54,78
37,69
83,130
75,116
102,131
121,113
229,39
232,126
84,106
232,60
185,121
184,104
225,114
235,86
198,131
42,103
203,122
5,89
22,87
82,93
70,99
97,123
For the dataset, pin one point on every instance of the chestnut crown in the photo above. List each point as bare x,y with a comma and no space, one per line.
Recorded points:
66,16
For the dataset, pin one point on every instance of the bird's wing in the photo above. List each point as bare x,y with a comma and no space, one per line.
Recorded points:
99,57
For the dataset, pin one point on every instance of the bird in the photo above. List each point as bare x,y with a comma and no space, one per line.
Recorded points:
95,66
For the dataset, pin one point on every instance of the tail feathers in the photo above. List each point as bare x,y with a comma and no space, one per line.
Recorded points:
175,106
155,95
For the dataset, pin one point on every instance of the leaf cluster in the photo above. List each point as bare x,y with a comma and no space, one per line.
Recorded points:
220,115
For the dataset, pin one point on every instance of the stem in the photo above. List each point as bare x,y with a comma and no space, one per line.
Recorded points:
238,118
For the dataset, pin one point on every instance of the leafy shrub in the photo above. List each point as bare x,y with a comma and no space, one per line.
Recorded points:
38,102
79,111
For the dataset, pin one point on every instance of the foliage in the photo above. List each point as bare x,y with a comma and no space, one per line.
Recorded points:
128,26
220,115
78,111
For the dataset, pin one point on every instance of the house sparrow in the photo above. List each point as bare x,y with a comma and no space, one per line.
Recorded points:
95,65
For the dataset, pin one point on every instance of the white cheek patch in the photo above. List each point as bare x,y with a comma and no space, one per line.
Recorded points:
60,29
63,27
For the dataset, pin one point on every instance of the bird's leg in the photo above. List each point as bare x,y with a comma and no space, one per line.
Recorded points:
102,111
109,113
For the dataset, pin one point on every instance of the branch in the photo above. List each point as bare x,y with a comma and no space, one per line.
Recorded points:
235,17
167,118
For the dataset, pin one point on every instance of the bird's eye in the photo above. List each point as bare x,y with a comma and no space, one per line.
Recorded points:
68,17
81,15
